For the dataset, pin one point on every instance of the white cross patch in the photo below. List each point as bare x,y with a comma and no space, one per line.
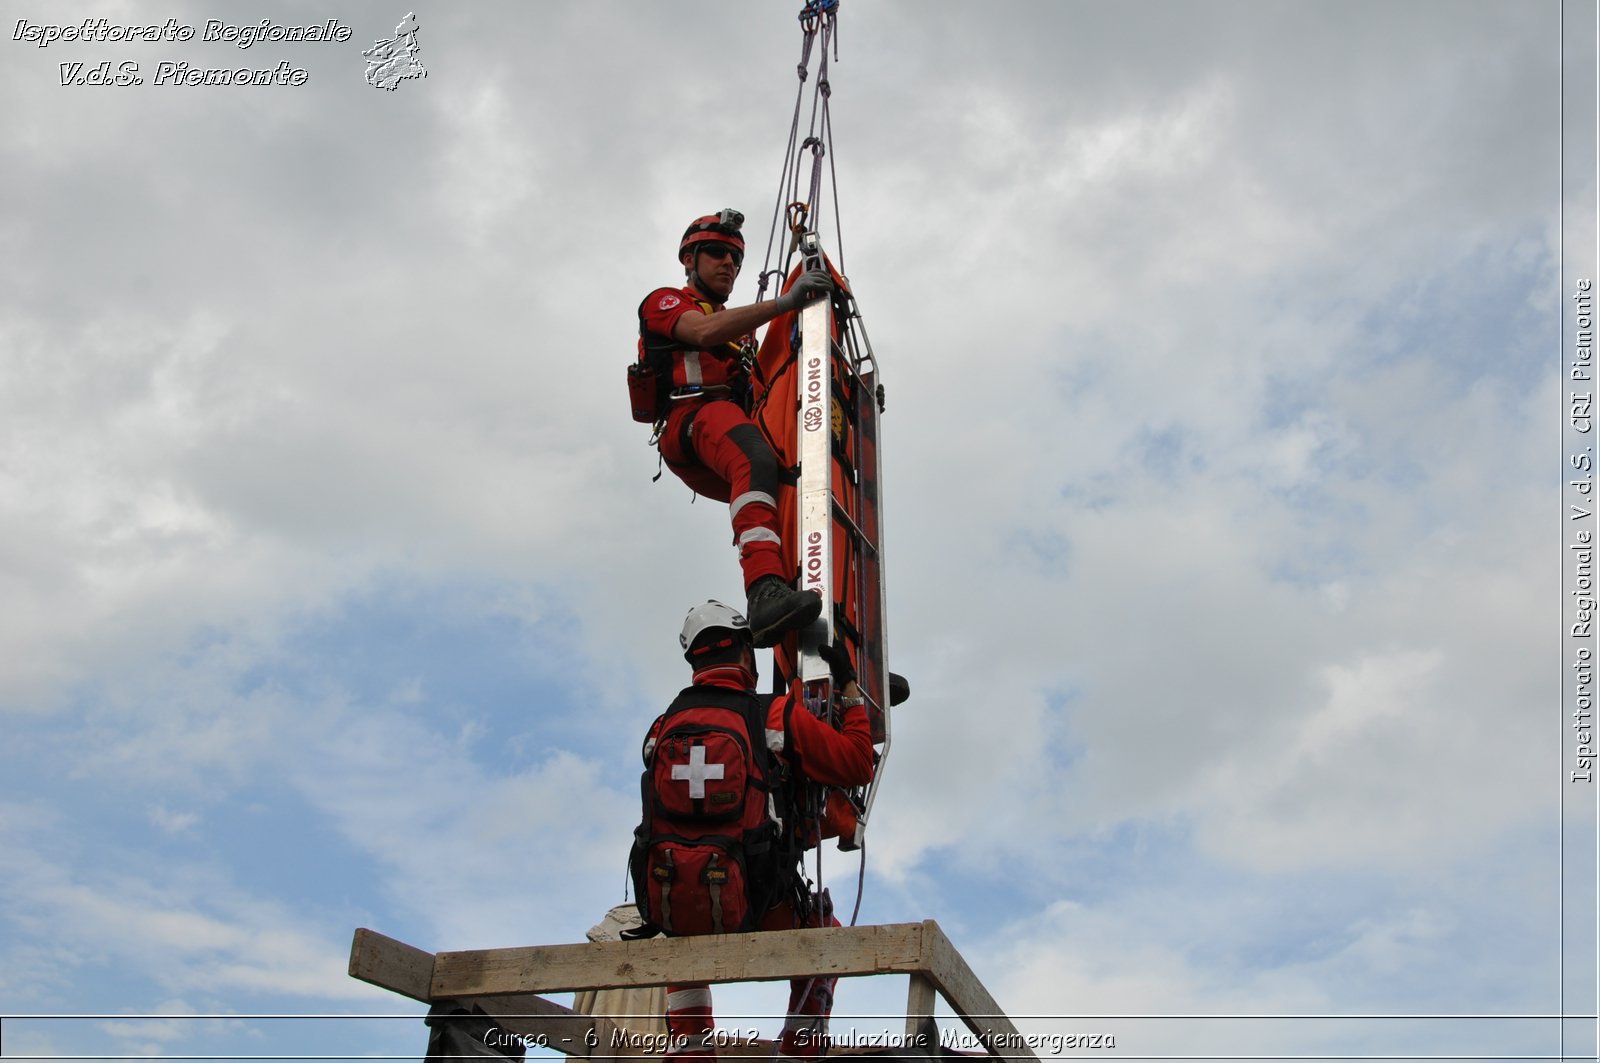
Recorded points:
697,771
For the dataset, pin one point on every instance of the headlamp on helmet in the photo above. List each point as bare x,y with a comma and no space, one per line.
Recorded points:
722,228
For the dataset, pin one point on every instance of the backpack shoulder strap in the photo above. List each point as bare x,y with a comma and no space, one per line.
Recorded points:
653,342
693,697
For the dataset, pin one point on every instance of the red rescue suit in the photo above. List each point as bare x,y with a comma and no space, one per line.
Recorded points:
708,440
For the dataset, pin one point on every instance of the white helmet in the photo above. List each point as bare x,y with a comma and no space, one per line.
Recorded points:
712,616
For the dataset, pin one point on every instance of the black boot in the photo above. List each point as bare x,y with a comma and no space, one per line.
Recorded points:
775,607
899,689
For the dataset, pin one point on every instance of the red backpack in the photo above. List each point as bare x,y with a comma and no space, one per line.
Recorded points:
708,856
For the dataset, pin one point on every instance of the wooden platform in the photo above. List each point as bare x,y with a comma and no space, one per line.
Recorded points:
507,983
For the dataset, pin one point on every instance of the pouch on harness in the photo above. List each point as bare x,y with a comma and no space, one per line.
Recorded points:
650,387
708,856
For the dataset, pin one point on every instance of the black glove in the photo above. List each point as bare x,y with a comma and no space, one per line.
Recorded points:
838,659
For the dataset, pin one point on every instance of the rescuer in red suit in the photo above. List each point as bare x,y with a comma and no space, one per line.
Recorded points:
717,644
708,439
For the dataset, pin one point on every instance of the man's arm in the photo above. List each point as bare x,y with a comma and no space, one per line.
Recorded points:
705,331
824,755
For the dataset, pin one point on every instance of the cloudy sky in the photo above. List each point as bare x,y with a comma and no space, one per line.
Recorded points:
1221,343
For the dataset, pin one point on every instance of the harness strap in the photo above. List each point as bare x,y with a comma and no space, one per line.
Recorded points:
666,891
715,875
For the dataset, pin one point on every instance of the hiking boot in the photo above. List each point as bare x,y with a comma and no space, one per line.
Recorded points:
899,689
775,607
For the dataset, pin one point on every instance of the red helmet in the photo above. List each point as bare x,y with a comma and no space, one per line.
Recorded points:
722,228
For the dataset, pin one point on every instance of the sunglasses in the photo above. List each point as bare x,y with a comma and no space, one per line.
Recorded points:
722,251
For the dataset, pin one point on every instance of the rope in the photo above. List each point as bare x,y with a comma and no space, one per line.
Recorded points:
861,883
833,178
788,158
794,211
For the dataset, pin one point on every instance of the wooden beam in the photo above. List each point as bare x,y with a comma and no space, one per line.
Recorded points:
391,965
505,983
919,1009
833,951
968,999
544,1021
605,1036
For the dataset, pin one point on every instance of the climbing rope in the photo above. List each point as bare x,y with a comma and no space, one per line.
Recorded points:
795,210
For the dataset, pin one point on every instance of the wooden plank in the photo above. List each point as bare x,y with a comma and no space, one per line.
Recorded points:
606,1037
505,982
919,1011
391,965
546,1023
760,957
968,999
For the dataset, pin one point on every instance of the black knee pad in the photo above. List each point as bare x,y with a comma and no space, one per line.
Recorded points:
763,463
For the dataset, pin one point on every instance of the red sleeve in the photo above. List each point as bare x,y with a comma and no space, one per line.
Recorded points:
824,755
662,308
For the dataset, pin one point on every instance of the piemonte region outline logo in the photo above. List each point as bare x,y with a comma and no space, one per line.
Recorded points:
392,61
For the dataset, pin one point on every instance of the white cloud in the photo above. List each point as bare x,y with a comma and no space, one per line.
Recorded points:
490,170
173,822
525,838
183,928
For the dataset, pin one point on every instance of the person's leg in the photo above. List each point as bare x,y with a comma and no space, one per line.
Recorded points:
732,462
730,445
689,1023
805,1029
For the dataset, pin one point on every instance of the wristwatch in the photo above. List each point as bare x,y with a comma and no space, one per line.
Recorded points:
850,703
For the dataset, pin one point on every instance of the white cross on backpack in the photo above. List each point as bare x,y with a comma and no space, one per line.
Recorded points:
697,771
